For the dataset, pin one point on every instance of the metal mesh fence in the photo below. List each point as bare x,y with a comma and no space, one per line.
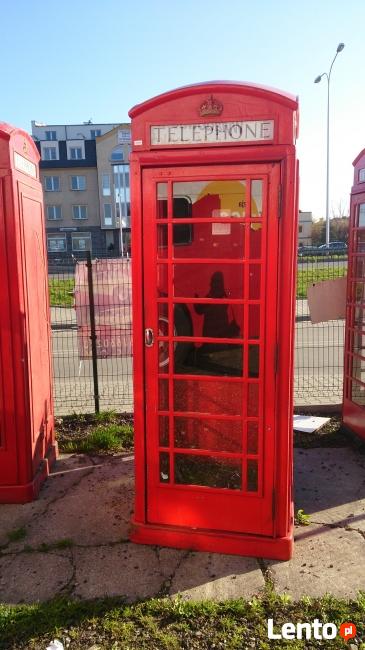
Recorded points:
319,349
91,320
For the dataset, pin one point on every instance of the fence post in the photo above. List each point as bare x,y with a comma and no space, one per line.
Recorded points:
93,336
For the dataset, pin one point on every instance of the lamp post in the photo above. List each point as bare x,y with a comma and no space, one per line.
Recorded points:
340,47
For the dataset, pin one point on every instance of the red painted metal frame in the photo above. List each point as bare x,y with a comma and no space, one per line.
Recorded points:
354,414
243,102
27,444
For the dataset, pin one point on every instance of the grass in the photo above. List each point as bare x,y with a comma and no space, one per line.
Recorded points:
306,277
102,432
164,624
111,438
61,292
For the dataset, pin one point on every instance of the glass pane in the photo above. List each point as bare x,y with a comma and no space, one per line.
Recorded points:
163,356
358,393
215,397
254,321
362,215
361,241
252,400
360,316
161,241
256,198
359,267
252,437
214,359
359,343
252,476
163,431
253,360
254,289
164,467
209,320
255,241
162,280
358,369
161,201
208,471
215,435
163,394
359,291
208,281
210,199
205,240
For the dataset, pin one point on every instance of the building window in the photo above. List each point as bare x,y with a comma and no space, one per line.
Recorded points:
122,194
78,182
95,133
52,183
108,215
81,242
79,212
51,135
54,212
106,184
362,175
56,243
300,229
49,153
76,153
117,155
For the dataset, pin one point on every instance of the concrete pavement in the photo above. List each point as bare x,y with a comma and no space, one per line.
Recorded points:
74,539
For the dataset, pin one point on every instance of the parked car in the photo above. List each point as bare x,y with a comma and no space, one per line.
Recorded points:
307,251
333,248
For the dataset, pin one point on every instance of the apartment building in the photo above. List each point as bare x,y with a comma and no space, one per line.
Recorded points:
305,228
85,175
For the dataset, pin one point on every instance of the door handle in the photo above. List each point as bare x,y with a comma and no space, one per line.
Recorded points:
148,337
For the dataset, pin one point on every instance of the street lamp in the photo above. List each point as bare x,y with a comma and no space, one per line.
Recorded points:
340,47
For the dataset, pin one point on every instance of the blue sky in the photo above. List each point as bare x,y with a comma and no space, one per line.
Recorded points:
67,62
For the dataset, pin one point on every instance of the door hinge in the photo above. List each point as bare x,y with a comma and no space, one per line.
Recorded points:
273,504
280,200
276,358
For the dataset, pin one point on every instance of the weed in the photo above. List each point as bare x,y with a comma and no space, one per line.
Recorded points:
63,543
17,534
301,519
105,417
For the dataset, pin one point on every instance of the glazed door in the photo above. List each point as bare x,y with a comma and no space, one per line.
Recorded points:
355,325
210,239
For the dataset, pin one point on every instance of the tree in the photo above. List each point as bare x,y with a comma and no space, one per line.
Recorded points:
339,230
318,232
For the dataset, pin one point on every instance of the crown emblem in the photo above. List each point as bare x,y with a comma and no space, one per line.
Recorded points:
211,106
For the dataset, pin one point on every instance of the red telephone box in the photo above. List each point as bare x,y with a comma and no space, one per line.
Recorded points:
354,379
214,210
27,446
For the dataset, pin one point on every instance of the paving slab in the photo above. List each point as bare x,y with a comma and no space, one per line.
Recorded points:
89,501
211,576
330,486
66,473
33,577
326,561
94,509
128,570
